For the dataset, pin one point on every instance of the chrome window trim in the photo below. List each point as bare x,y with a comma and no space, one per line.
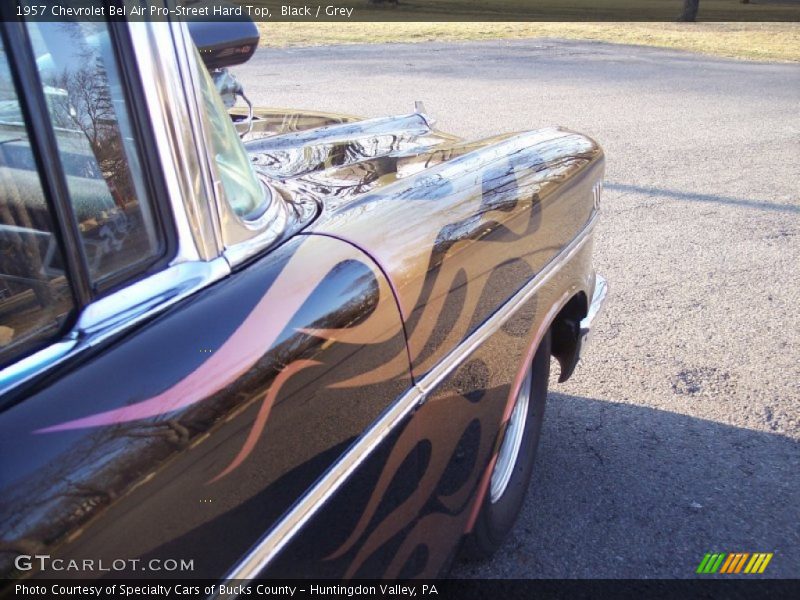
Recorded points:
154,69
267,227
239,239
143,298
258,558
117,312
280,223
198,124
26,368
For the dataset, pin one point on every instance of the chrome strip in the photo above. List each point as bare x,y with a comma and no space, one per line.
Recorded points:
300,514
143,298
195,133
22,370
595,309
280,535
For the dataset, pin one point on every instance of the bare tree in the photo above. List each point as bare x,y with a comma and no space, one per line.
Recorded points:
89,108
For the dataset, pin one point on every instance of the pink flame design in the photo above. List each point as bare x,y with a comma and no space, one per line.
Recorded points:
263,413
248,343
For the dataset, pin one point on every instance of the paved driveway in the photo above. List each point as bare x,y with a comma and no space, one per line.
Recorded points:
678,434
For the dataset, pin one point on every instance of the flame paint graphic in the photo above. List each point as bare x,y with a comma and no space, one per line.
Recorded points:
487,230
478,217
248,343
263,413
491,217
442,422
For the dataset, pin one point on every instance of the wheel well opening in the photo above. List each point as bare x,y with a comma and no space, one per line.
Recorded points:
565,334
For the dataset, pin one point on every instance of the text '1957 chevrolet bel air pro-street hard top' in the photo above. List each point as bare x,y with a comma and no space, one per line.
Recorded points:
267,343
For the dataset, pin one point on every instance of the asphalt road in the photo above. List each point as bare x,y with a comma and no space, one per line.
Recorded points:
679,433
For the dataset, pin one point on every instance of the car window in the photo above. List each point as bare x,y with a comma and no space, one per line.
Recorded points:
35,296
84,94
243,192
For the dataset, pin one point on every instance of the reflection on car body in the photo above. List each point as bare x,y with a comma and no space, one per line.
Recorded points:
320,350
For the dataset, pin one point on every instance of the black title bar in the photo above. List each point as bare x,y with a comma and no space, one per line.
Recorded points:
403,10
547,589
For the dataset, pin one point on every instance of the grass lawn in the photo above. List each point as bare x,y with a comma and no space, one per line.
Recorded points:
753,41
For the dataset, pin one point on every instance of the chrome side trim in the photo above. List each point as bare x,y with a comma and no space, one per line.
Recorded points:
299,515
595,309
281,534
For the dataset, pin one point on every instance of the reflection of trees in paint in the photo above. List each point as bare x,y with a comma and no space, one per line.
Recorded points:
85,99
87,107
100,469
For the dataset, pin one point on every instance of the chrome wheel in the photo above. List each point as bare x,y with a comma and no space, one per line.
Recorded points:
512,442
513,467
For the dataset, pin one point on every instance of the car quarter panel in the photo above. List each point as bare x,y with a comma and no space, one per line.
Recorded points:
462,230
189,436
385,523
457,239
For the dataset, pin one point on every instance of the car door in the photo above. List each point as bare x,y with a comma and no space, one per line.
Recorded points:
165,407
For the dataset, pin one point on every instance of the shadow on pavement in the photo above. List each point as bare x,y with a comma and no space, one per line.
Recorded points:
624,491
694,197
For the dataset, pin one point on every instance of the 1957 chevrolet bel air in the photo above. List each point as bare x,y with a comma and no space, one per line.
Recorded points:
267,343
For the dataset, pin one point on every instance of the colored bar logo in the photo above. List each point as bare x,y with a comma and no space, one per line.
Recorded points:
734,562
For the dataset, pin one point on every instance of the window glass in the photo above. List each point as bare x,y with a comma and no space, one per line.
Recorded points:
243,191
85,98
35,297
